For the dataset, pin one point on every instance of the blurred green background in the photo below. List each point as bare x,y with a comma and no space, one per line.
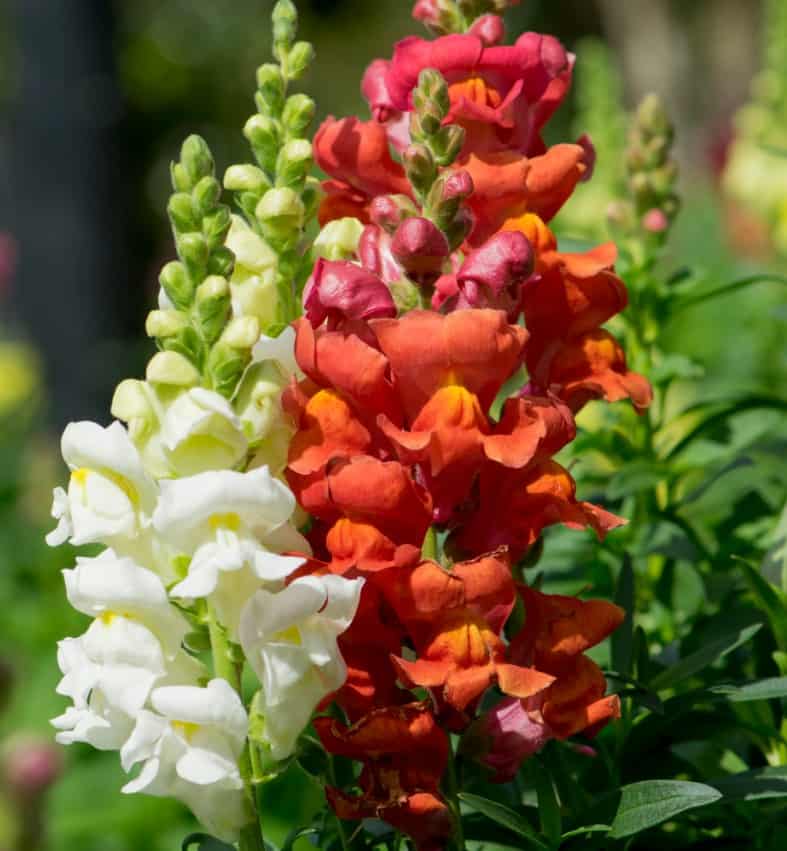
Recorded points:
95,98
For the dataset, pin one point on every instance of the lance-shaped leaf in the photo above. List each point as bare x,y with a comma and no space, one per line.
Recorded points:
651,802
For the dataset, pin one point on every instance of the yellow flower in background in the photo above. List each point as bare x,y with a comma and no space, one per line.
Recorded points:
20,375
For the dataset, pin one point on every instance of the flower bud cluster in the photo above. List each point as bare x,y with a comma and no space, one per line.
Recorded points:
756,166
652,175
456,16
200,575
277,196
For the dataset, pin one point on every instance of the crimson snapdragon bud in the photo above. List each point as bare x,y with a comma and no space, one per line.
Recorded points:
511,734
420,246
489,28
389,211
339,290
493,274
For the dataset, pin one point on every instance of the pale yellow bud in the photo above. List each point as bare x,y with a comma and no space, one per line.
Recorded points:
245,178
165,323
242,332
172,368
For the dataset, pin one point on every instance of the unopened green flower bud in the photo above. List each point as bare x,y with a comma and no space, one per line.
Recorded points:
270,85
181,213
447,143
420,167
652,116
196,158
298,114
193,250
285,24
206,195
181,182
165,323
176,283
339,239
432,90
263,134
299,59
172,368
245,178
294,163
406,295
215,227
222,262
213,306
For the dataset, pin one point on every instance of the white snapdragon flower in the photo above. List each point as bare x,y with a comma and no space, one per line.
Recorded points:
110,497
134,644
232,525
253,281
180,432
289,639
189,746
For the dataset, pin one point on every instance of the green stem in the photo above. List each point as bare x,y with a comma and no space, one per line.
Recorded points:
339,823
429,548
224,666
452,791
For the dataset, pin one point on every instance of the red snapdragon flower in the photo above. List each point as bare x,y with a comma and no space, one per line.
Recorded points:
454,621
404,754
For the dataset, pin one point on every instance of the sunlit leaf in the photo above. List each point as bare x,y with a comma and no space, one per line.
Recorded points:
651,802
770,689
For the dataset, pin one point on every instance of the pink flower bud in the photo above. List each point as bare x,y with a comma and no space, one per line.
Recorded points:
489,28
420,246
390,211
458,185
446,291
339,290
31,766
493,274
655,221
428,12
514,734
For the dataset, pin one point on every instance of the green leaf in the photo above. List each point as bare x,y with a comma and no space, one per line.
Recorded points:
588,828
297,834
770,689
646,804
703,657
204,842
548,805
633,478
769,599
725,289
504,816
623,637
710,414
767,782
